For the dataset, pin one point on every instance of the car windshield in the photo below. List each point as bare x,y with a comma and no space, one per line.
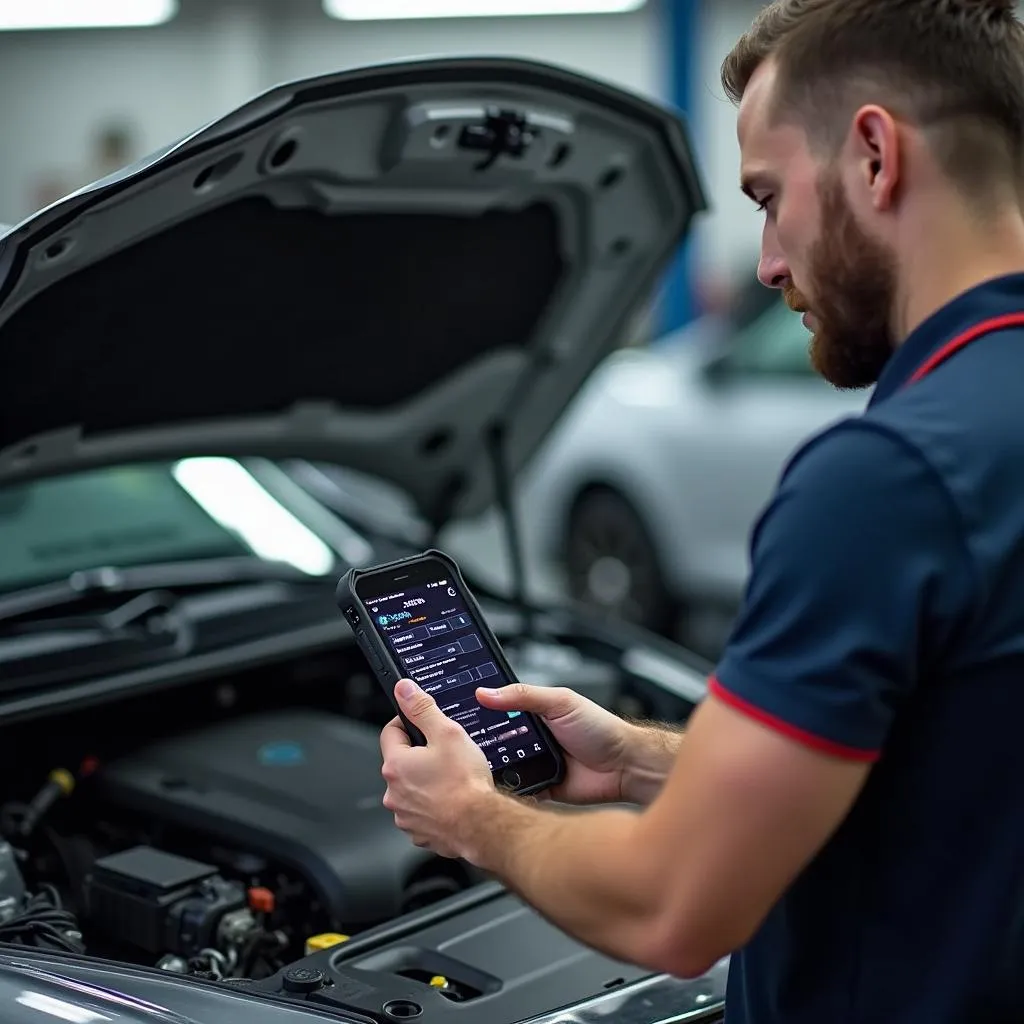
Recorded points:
148,513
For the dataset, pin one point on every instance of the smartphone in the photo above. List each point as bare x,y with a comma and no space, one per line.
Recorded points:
417,619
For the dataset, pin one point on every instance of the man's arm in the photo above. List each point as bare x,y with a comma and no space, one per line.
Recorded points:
687,881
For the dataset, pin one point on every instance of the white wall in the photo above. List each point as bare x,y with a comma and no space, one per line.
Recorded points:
56,87
728,240
167,81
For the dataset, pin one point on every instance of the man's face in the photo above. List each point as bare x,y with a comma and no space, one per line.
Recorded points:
813,246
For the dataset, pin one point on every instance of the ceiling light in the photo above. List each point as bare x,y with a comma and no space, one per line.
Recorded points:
44,14
386,10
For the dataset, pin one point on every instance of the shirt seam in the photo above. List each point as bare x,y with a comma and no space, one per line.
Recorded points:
959,520
918,454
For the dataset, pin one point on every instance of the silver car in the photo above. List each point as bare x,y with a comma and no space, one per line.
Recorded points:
645,496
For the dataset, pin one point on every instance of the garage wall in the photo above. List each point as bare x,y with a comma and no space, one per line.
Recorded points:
59,87
56,87
728,240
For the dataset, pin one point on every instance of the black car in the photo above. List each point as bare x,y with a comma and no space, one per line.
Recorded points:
405,272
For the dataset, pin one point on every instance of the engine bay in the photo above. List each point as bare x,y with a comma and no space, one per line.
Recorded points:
224,829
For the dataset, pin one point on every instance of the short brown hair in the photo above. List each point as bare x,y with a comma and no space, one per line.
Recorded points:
955,68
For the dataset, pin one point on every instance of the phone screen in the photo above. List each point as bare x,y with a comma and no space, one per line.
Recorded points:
437,642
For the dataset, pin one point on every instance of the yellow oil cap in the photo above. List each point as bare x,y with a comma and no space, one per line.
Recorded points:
324,941
63,779
439,981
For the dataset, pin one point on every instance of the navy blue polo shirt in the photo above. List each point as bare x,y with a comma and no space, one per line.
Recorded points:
884,622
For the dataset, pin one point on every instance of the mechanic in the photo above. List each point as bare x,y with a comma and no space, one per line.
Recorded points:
845,813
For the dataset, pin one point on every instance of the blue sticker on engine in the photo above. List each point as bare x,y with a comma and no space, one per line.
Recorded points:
282,753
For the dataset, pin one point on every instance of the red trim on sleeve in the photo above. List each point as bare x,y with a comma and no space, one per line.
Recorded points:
996,323
779,725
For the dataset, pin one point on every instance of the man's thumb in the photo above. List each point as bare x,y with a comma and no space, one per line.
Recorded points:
549,701
420,708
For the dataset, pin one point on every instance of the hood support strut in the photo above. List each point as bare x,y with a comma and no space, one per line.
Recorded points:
496,454
513,537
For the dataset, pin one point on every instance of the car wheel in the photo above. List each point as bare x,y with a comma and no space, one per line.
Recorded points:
611,563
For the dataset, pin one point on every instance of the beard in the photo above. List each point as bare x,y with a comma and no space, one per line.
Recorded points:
852,278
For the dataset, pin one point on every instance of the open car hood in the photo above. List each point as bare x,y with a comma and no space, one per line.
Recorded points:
392,269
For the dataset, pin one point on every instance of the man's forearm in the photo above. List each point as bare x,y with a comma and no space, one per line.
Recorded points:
581,870
651,753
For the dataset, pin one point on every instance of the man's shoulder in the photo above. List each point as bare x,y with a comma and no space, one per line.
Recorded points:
964,402
854,453
871,494
966,422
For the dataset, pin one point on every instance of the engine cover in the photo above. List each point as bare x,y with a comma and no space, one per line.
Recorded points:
301,788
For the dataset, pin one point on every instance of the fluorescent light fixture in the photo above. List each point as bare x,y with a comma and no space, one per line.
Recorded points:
389,10
43,14
235,498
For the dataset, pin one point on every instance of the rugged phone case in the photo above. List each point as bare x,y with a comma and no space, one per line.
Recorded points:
388,672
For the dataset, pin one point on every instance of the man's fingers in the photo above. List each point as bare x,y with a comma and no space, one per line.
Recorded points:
394,738
419,708
550,701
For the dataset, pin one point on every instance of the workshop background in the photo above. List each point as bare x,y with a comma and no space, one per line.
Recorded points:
713,390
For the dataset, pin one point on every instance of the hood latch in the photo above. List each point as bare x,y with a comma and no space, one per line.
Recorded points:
503,133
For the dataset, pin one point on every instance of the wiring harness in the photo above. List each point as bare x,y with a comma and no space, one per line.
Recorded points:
44,922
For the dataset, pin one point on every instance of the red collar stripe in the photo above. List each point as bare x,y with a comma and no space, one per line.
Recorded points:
996,323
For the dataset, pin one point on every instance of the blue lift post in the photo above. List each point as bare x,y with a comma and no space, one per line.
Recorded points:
681,36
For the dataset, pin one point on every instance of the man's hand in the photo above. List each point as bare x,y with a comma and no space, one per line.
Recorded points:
431,788
608,760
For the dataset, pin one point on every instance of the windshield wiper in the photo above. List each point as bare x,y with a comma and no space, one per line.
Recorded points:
152,620
145,580
107,619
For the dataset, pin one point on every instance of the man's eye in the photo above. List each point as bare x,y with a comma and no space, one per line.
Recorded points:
762,204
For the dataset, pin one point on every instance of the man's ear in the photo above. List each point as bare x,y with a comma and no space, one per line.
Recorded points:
875,147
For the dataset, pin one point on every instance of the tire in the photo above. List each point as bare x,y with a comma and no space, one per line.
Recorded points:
611,563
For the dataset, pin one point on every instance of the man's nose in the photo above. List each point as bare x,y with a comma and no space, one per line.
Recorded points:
772,271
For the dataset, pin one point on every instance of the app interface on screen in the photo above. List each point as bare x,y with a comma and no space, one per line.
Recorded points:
435,640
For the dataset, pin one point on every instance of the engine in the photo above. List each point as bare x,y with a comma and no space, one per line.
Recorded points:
227,851
181,912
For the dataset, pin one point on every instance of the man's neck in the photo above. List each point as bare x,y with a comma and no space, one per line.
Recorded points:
950,259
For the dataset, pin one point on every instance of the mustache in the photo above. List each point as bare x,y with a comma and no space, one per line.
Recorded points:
794,299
